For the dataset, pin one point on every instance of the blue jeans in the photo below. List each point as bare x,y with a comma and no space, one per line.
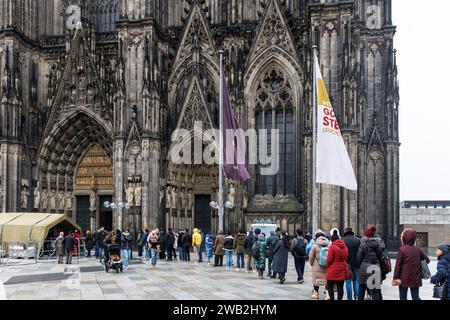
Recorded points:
300,267
404,293
126,257
269,262
200,254
240,261
229,255
154,256
181,254
352,287
146,253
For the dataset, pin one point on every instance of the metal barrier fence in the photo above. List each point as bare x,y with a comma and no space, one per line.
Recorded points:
17,252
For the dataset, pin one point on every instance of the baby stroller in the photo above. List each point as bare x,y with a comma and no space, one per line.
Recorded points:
114,262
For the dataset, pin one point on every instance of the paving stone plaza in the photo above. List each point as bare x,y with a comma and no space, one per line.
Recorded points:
87,280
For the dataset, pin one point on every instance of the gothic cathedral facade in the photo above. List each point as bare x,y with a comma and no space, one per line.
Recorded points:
91,92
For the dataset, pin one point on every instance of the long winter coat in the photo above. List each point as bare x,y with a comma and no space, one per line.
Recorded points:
319,274
337,261
239,242
218,245
280,258
369,254
209,244
408,266
443,273
352,242
248,244
261,262
59,247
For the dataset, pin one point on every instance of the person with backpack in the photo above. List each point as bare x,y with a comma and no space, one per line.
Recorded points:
259,253
271,242
443,270
298,250
318,262
248,245
370,258
218,249
187,240
336,265
239,249
280,257
209,246
228,246
408,269
352,242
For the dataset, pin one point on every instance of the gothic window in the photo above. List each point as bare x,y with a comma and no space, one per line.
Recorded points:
275,111
106,15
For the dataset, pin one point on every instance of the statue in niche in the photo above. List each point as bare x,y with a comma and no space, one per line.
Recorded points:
168,197
174,202
24,197
130,195
53,200
214,196
245,199
93,201
182,200
37,198
190,200
69,201
231,193
138,195
62,200
44,199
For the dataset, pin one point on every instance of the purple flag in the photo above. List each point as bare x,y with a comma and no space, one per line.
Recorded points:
234,147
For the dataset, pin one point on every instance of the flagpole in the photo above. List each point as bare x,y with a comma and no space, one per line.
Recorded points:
314,145
220,196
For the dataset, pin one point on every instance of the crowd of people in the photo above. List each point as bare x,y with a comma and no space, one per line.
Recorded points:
358,265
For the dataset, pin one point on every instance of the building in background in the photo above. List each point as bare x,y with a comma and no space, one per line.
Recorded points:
92,90
431,220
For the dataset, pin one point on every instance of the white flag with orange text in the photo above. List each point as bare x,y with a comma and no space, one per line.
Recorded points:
333,163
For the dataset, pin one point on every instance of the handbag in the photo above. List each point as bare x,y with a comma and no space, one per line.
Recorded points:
348,272
438,292
426,274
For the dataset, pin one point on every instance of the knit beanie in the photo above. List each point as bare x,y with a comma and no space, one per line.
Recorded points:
370,232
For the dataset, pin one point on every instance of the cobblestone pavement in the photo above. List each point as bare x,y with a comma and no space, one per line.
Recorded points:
87,280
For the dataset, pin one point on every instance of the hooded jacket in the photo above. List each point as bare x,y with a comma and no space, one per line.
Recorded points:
319,274
443,273
369,254
228,243
408,266
337,261
239,242
196,238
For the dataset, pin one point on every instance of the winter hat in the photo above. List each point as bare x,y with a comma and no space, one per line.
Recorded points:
444,247
335,231
370,232
257,231
335,236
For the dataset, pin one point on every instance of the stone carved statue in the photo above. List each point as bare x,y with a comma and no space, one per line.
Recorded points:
182,200
174,202
245,199
168,197
53,200
93,201
62,200
37,198
214,196
231,193
138,195
44,199
69,201
190,200
24,197
130,195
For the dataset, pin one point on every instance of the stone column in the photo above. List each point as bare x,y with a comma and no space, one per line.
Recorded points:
118,214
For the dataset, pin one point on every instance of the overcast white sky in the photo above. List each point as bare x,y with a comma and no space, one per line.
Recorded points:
423,61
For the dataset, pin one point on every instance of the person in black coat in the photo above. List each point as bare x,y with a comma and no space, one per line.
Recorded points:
181,253
352,242
99,243
443,269
248,245
69,245
271,243
187,242
280,257
88,243
170,242
162,246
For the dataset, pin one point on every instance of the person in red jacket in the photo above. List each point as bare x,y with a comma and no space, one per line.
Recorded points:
336,265
408,268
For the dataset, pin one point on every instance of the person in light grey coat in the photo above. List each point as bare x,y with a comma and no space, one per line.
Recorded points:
280,257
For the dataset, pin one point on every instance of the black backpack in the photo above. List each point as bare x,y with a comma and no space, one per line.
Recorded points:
299,250
255,251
